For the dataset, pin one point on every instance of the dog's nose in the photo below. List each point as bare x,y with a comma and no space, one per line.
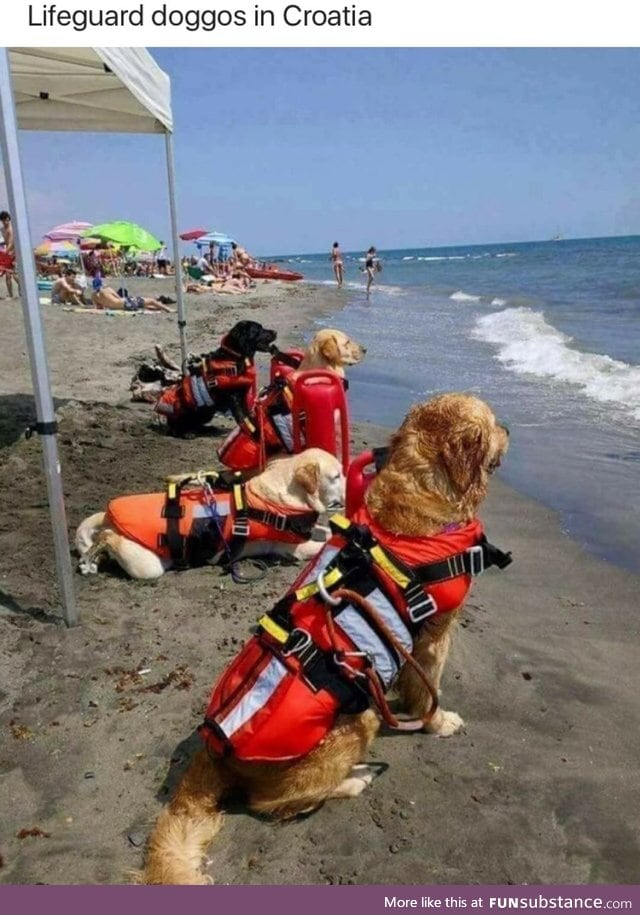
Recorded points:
364,349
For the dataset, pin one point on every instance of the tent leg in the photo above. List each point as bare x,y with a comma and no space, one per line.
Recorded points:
35,339
171,174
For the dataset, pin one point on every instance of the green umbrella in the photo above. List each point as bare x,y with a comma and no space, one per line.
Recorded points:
126,234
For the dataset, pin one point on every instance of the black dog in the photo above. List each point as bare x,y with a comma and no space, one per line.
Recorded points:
217,382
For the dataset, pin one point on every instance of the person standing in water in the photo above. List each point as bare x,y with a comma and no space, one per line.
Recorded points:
371,266
338,263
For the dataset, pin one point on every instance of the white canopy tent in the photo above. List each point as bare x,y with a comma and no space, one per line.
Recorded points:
119,90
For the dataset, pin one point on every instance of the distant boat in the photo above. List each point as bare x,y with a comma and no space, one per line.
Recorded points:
557,238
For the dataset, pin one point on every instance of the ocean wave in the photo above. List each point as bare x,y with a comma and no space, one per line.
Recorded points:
527,344
461,296
498,302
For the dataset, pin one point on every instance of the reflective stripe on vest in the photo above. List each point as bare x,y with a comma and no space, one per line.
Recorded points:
284,425
255,698
200,392
366,639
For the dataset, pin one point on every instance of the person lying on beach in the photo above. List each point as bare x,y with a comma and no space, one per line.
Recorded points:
66,290
105,297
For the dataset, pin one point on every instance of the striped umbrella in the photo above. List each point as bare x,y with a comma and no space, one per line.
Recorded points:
67,231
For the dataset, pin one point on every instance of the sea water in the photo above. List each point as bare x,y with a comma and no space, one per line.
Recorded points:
547,332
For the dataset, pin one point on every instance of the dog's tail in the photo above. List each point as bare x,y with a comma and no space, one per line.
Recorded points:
184,830
85,535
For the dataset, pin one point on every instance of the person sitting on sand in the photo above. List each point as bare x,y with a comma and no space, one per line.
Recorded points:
203,264
105,297
66,290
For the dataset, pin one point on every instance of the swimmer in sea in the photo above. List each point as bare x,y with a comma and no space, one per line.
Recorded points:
370,267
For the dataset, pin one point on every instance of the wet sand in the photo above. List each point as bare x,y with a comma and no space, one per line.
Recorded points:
542,787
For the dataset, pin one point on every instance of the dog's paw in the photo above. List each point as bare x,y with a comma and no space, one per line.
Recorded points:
445,724
85,567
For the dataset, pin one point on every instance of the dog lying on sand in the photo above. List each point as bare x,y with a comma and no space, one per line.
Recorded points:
273,514
415,546
217,382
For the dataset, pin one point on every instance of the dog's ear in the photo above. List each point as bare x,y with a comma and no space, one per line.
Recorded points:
330,350
464,456
307,475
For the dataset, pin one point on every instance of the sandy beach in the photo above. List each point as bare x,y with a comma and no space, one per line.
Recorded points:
542,787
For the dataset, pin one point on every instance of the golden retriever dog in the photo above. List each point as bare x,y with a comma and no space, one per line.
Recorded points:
331,349
301,486
436,477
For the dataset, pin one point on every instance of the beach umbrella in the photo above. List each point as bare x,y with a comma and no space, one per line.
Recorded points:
192,234
214,238
125,234
67,231
50,248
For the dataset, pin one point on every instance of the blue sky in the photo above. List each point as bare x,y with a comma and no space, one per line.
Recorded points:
291,149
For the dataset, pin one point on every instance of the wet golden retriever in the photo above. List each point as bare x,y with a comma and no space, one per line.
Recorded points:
437,474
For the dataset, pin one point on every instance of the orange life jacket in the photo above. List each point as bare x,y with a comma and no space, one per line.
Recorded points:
205,385
280,696
197,525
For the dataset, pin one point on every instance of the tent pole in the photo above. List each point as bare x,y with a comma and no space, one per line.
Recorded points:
46,420
171,174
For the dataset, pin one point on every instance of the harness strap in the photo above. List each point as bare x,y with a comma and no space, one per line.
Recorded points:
173,511
301,524
380,457
318,667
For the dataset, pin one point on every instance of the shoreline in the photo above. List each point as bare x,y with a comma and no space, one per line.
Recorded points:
540,788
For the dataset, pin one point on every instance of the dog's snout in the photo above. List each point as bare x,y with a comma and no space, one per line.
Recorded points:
364,350
506,428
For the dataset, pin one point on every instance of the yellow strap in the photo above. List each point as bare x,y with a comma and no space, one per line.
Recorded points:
238,497
172,490
340,521
381,559
277,632
330,579
249,425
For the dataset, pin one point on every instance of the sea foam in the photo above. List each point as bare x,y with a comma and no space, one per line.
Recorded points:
527,344
461,296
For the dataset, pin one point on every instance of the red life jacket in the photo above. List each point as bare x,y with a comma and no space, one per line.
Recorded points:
205,385
280,696
268,430
191,526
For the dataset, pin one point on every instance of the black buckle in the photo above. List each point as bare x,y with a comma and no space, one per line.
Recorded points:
419,604
456,565
476,559
300,644
241,526
279,522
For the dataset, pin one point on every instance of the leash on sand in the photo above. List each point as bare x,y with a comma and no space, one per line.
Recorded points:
258,564
374,685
